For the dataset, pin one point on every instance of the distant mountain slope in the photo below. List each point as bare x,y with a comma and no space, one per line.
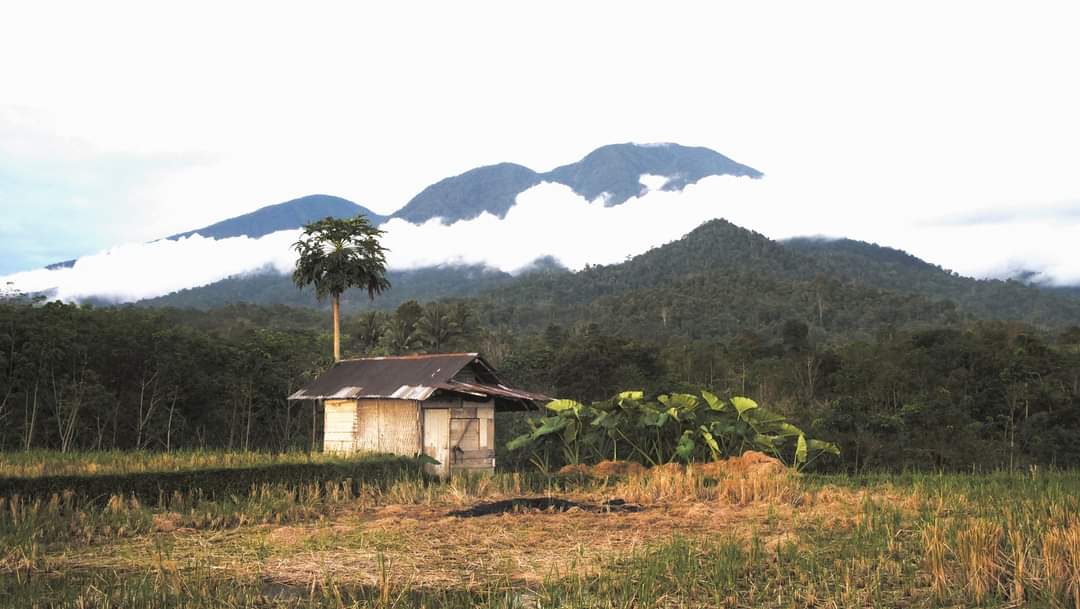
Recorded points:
283,216
272,218
721,279
892,269
614,171
492,189
270,287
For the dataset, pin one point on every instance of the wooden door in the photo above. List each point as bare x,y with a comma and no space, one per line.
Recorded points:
437,440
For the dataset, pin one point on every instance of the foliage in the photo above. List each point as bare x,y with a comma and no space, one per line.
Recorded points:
337,254
675,426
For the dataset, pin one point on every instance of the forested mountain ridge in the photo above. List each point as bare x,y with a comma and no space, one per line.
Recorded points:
717,280
892,269
721,279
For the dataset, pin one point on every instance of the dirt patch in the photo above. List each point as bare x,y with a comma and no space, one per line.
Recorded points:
288,536
545,504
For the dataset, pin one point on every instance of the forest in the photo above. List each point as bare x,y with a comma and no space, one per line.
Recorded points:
959,395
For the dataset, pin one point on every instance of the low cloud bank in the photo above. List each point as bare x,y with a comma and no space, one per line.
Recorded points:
550,220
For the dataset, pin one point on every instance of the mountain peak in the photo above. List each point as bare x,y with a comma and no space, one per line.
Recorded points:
283,216
615,170
492,188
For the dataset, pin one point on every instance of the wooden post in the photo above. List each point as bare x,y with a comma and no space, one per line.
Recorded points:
336,306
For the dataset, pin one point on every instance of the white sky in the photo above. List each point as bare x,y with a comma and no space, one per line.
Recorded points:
905,124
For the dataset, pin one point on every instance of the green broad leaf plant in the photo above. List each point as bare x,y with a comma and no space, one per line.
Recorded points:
675,427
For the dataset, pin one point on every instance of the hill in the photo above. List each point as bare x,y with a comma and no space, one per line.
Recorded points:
283,216
720,280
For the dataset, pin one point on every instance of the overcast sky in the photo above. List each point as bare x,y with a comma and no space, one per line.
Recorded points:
951,130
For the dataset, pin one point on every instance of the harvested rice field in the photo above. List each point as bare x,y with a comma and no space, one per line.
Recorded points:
737,534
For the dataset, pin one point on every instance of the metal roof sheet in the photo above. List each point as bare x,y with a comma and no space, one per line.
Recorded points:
408,377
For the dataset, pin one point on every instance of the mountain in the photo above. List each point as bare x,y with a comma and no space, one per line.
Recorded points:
271,287
887,268
272,218
720,280
613,171
616,169
493,189
716,282
283,216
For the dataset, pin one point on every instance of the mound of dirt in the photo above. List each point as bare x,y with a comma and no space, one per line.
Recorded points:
617,468
752,464
575,470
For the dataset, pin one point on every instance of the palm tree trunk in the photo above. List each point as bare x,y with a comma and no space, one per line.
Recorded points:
336,306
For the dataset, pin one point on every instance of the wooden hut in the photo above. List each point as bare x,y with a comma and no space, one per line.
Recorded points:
442,405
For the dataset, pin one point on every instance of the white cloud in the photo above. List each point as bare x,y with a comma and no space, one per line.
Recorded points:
550,220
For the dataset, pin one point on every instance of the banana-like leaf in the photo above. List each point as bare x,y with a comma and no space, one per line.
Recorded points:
768,442
788,430
800,450
825,447
685,447
680,401
550,425
742,404
520,442
632,395
674,414
710,440
714,402
570,432
561,405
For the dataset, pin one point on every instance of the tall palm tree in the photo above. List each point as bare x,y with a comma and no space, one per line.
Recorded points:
338,254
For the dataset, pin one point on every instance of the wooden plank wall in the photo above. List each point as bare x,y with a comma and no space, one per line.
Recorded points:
472,436
339,426
388,426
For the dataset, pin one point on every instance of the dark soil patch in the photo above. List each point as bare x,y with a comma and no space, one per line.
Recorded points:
545,504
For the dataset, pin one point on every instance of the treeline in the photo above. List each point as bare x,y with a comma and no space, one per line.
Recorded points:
959,396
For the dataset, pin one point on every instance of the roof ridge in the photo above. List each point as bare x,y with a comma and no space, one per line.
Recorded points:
411,356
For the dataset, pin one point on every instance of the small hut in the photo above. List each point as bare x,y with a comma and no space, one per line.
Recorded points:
442,405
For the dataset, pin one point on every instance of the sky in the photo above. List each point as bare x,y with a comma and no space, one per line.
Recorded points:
949,130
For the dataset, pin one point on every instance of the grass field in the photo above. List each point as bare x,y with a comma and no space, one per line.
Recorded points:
701,538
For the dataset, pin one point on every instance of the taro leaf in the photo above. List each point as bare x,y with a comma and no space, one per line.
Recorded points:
714,402
825,447
599,420
710,440
800,450
520,442
686,445
550,425
680,401
788,430
571,431
662,418
741,404
673,413
769,442
561,405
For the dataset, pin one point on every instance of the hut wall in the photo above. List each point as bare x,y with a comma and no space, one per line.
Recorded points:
472,436
388,426
339,426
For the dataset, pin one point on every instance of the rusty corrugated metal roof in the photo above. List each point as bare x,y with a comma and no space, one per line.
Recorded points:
408,377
